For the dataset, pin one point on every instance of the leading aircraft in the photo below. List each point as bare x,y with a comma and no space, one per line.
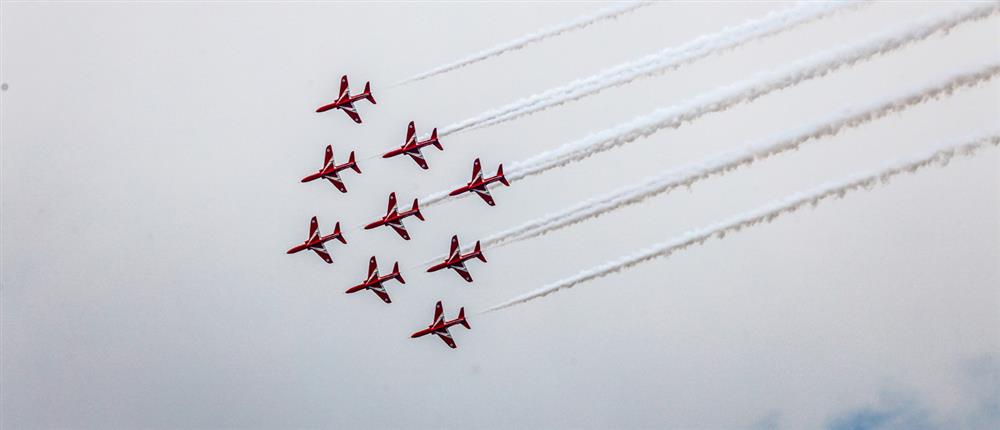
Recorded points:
330,169
440,327
479,185
316,240
457,261
374,281
393,218
345,102
412,147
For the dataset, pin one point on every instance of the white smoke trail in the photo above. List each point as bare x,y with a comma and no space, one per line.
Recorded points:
689,174
767,213
668,59
726,97
609,12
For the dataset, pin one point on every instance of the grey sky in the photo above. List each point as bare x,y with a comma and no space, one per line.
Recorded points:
150,163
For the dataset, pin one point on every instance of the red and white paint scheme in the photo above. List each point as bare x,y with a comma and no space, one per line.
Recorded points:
345,102
478,184
457,261
330,170
393,218
374,281
412,147
440,326
316,240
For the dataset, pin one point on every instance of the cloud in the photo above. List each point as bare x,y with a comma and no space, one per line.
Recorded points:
979,406
895,414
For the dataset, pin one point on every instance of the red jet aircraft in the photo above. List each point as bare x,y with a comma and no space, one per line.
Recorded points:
315,241
345,102
456,260
374,281
440,326
330,169
412,147
478,184
393,218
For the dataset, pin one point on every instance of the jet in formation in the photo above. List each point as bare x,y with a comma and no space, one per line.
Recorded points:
345,102
412,147
330,170
440,327
315,241
478,184
374,282
394,218
456,260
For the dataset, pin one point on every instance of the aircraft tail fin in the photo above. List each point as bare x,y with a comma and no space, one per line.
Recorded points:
461,318
395,273
353,163
338,234
479,252
434,139
416,210
368,92
503,179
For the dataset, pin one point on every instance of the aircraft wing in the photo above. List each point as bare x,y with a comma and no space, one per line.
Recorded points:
485,194
313,229
345,92
320,250
398,226
411,135
462,270
454,248
438,314
335,180
477,172
379,291
392,204
328,159
417,156
349,109
372,269
445,335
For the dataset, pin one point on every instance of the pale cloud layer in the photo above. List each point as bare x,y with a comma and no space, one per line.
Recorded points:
151,157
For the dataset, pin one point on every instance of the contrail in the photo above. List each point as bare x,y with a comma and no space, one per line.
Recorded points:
609,12
689,174
668,59
768,213
726,97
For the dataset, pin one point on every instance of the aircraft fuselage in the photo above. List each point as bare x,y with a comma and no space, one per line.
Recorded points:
329,172
436,328
454,262
389,218
309,244
337,104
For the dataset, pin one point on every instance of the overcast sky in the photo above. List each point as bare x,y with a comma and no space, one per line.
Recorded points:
151,157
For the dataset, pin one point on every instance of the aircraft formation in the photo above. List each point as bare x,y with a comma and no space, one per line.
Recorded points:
394,217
